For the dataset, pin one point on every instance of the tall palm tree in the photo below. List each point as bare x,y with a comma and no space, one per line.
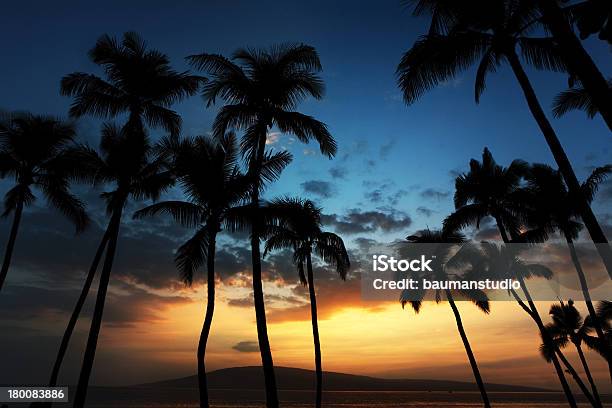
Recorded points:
209,173
262,87
554,208
576,98
130,162
489,33
445,268
33,153
569,326
302,233
579,61
138,81
489,189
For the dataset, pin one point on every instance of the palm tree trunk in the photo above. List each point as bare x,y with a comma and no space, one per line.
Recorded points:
589,303
578,59
532,311
563,162
587,371
579,382
315,333
8,253
77,309
468,350
210,309
258,295
96,321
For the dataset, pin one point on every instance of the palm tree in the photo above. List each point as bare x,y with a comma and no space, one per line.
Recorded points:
568,326
262,88
490,32
128,160
302,233
138,81
554,208
579,61
576,98
489,189
33,153
444,268
504,262
209,174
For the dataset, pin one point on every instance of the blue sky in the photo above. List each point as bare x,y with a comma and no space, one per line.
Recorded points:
411,153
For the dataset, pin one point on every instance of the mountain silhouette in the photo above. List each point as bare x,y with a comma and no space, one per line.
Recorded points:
300,379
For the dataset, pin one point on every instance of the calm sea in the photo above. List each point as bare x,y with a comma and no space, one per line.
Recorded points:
176,398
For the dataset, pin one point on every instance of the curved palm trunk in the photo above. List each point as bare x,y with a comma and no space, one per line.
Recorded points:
589,303
315,333
468,350
579,61
562,161
210,309
587,371
532,311
258,296
570,369
77,310
10,245
96,321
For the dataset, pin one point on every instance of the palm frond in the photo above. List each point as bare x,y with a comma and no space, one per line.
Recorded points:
185,213
306,128
192,254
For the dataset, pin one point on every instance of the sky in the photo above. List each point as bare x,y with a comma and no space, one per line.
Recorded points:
393,175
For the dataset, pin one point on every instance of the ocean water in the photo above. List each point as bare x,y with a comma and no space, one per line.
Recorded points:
176,398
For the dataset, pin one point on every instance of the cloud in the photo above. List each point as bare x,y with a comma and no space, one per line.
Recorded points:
246,347
386,148
338,172
430,193
355,221
273,137
323,189
424,211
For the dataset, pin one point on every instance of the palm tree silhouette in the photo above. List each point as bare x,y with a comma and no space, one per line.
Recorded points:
302,232
131,163
33,152
490,32
138,81
262,88
444,265
576,98
554,208
208,171
489,189
568,326
504,262
579,61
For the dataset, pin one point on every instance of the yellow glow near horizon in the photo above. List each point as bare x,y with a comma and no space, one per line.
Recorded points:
360,339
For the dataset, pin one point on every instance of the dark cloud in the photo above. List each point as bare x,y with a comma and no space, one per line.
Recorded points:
338,172
430,193
355,221
246,347
323,189
424,211
487,234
